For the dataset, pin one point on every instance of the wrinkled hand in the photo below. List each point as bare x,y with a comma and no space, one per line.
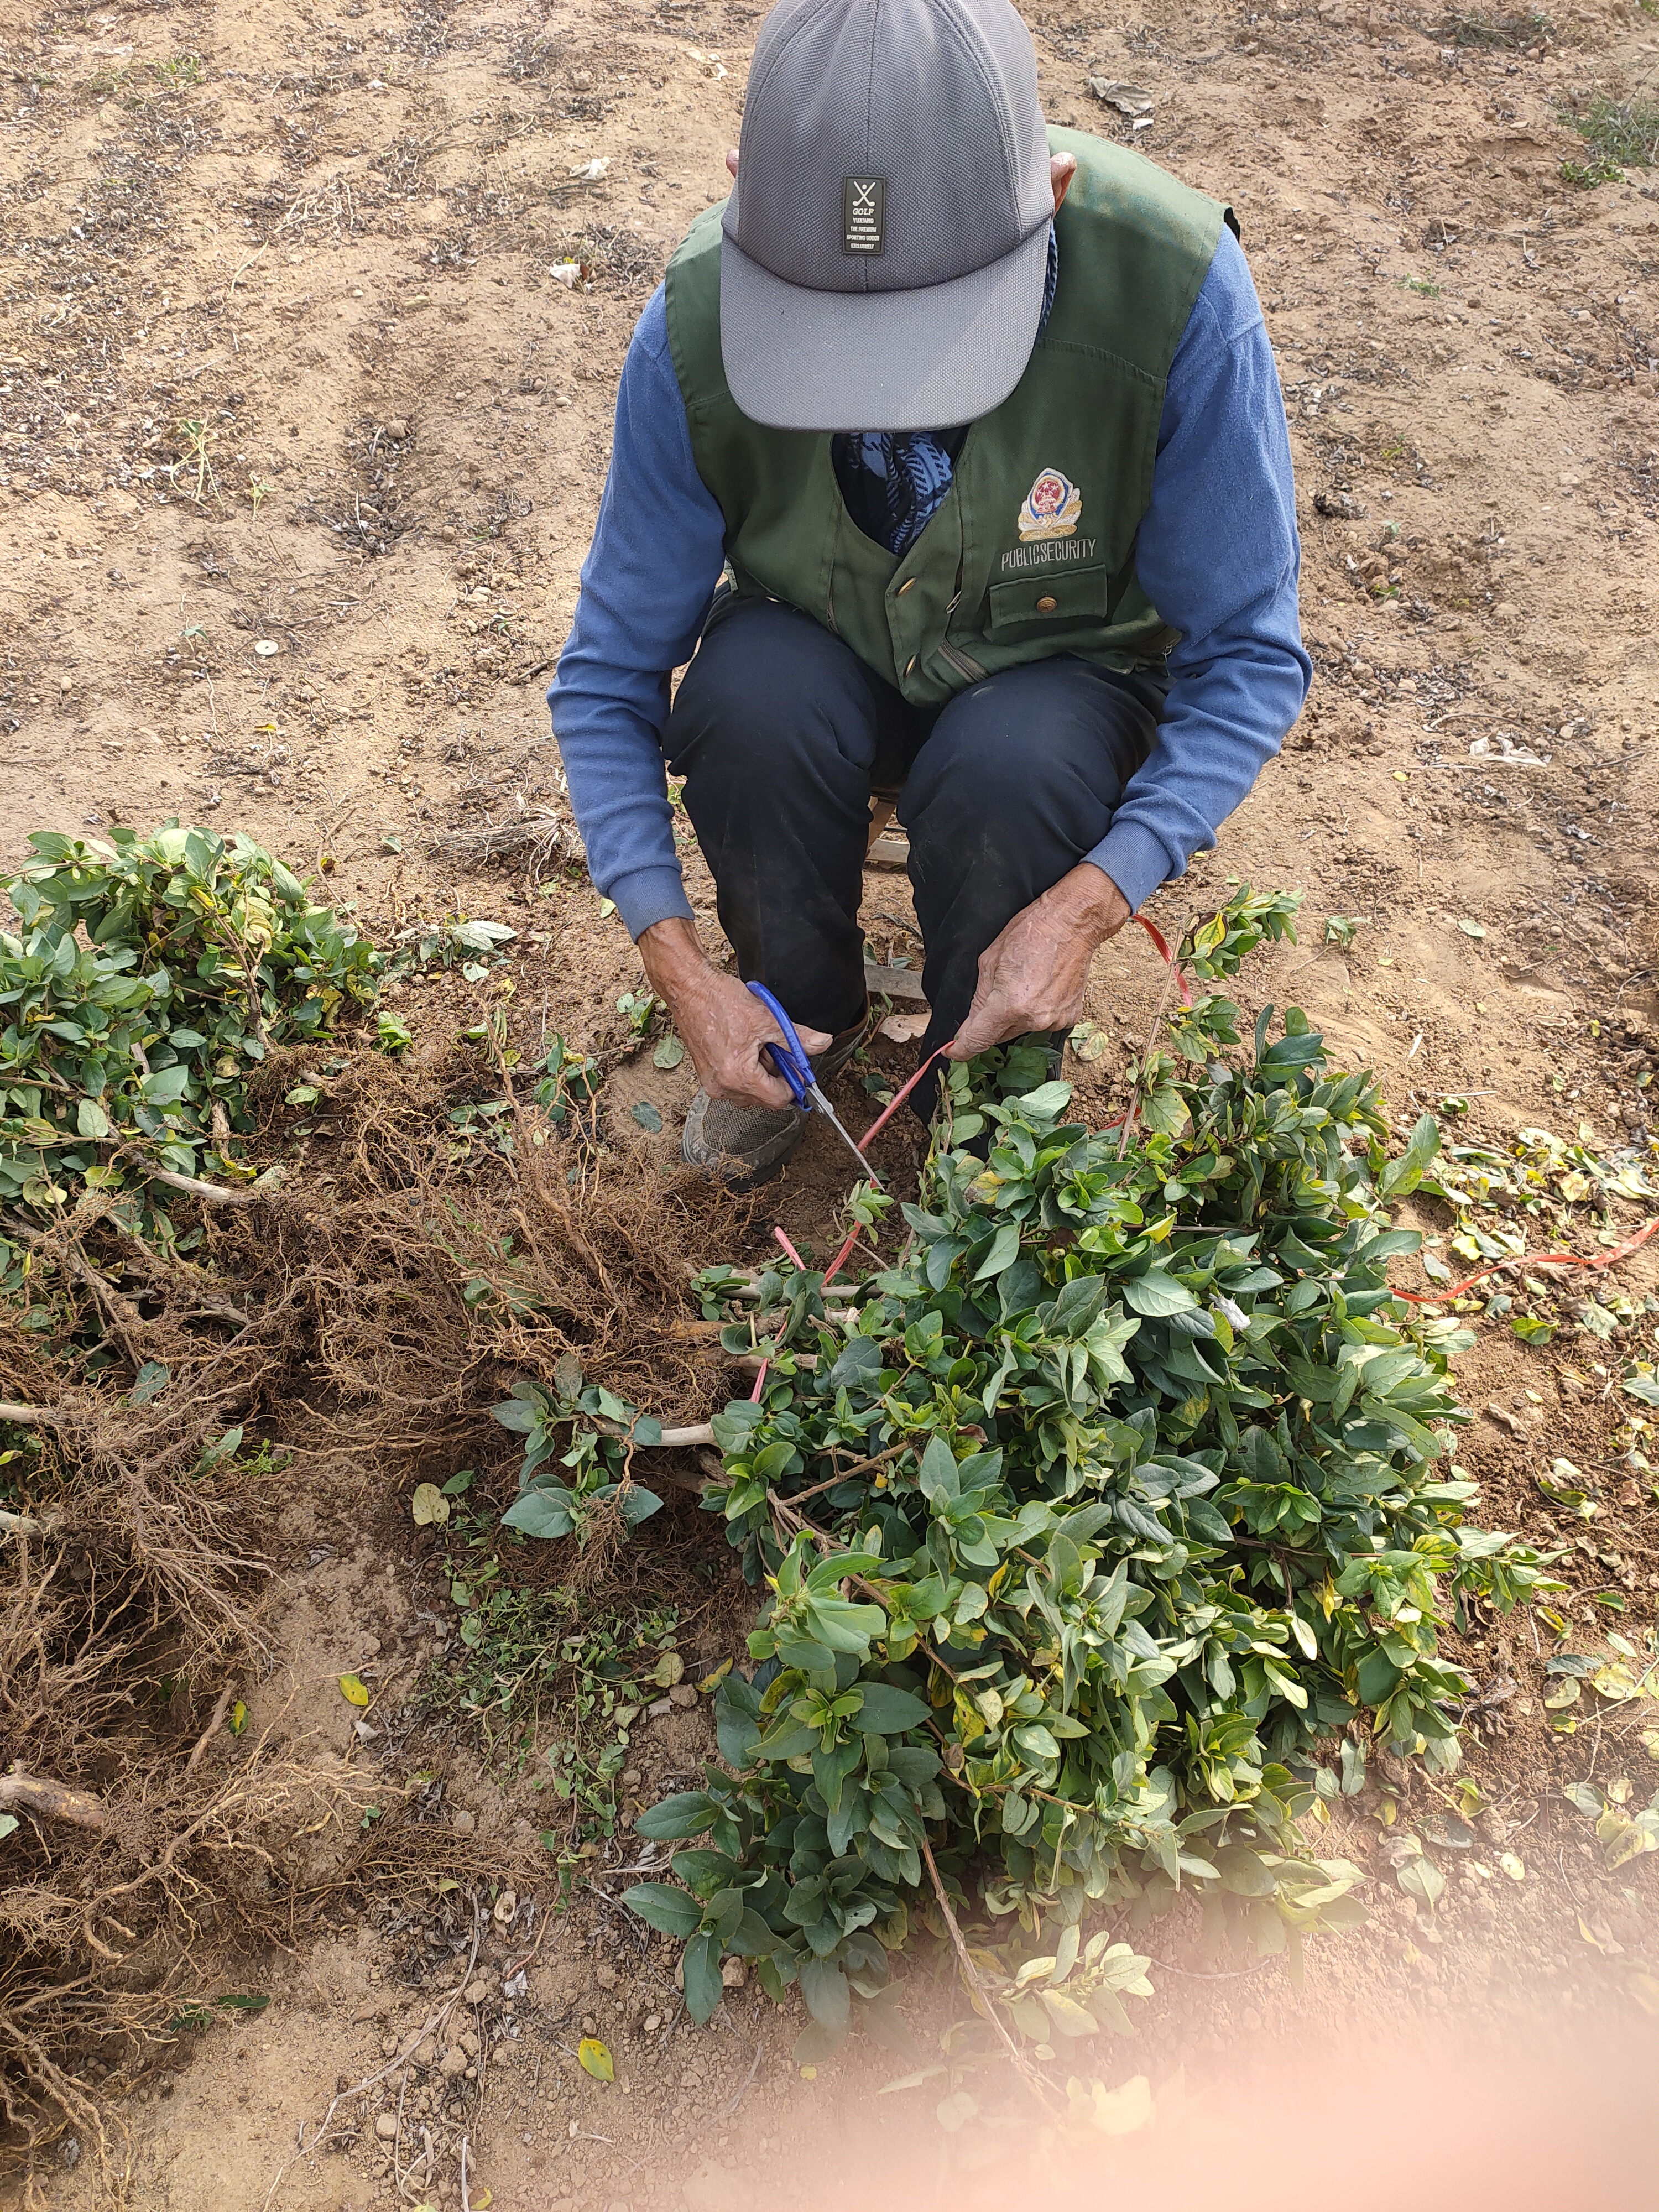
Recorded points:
721,1024
1032,976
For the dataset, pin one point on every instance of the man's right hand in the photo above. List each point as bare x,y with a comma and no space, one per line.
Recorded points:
721,1023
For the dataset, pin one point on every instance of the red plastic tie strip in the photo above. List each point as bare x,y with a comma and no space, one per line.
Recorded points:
1533,1259
1165,955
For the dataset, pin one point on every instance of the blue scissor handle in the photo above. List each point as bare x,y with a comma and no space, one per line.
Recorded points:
791,1062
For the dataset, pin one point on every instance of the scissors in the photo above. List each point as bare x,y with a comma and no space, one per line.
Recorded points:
791,1063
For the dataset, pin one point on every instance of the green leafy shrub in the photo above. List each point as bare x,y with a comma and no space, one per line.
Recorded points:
1082,1524
150,977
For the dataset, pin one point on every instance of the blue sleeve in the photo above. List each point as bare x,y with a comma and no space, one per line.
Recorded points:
658,551
1219,558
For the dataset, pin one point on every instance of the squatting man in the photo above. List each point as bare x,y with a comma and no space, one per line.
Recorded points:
951,456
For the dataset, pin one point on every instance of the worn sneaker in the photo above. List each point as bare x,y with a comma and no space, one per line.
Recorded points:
745,1145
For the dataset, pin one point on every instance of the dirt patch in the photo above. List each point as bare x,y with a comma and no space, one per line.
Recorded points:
284,364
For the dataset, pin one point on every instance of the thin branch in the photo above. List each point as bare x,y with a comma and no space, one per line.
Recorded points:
26,1524
700,1432
1028,2074
862,1466
52,1800
215,1193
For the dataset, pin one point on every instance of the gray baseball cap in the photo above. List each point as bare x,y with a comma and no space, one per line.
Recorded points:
885,247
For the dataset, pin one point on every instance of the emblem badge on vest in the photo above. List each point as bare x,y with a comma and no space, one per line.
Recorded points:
1052,506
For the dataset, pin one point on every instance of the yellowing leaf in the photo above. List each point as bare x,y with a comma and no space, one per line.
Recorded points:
1617,1683
484,2200
238,1717
354,1690
1122,2111
1511,1863
668,1670
1068,2017
429,1507
1630,1842
595,2058
712,1682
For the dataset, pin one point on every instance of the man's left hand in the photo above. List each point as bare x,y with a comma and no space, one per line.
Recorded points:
1033,976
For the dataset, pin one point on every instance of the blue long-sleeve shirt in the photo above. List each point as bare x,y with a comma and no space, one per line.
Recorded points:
1218,555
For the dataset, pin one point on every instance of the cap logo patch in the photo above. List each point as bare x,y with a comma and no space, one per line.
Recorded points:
863,215
1052,506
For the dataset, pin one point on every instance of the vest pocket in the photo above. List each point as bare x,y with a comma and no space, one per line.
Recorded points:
1050,598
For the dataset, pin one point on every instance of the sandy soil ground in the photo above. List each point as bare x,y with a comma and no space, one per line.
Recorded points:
303,442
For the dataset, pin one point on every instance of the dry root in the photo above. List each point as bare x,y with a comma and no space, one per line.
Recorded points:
355,1323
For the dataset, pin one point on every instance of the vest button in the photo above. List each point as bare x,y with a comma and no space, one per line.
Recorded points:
905,585
1046,605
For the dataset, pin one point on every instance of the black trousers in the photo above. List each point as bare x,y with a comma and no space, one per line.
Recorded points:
781,732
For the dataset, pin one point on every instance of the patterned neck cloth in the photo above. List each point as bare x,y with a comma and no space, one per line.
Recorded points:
895,481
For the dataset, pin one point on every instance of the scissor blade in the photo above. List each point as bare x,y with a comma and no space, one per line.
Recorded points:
834,1121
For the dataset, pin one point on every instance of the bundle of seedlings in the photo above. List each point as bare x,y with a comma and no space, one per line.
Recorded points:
1093,1528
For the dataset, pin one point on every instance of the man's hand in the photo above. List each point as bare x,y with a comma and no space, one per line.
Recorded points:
1032,976
721,1024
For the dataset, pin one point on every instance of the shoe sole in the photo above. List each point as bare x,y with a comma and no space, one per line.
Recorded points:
737,1170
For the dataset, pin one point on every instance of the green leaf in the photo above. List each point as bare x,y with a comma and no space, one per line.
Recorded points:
671,1912
1401,1176
687,1814
151,1380
1005,1250
823,1985
1421,1878
703,1986
519,1415
889,1711
542,1513
1048,1100
670,1052
167,1085
646,1114
1157,1294
1036,1742
938,1475
91,1119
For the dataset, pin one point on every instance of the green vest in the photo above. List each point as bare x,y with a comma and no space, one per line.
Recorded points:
1032,551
